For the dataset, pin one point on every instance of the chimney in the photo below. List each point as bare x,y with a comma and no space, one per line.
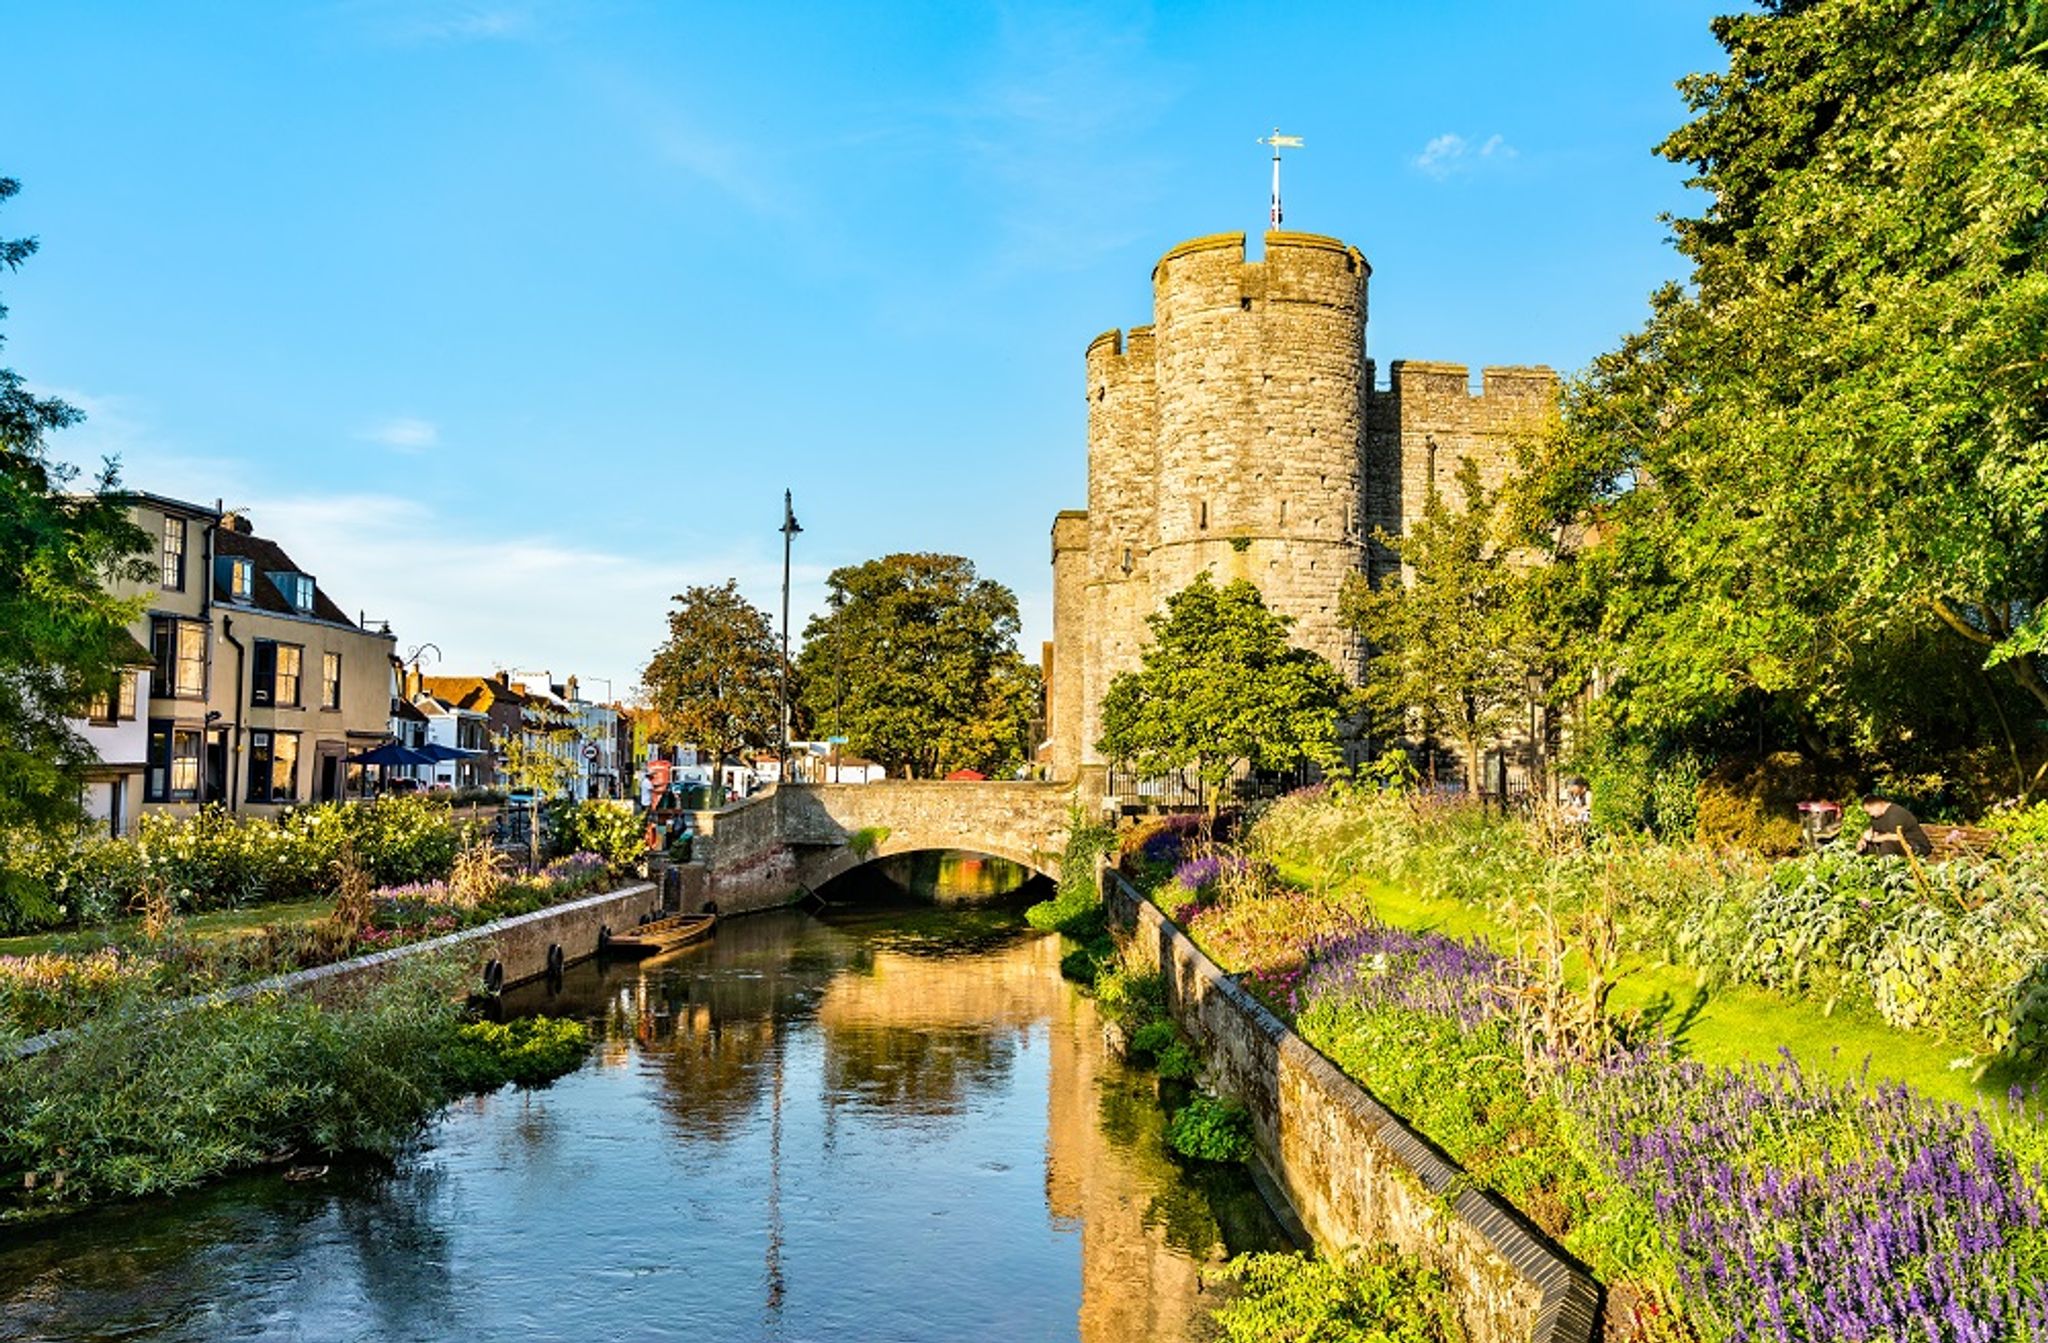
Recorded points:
573,696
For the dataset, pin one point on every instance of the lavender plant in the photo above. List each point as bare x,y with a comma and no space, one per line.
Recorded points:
1800,1208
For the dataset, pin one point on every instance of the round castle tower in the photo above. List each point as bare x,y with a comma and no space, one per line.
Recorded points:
1228,436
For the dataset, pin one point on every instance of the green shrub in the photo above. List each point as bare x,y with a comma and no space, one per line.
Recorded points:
1177,1063
1153,1037
1372,1295
1079,897
2027,827
137,1104
1674,801
1082,963
611,830
531,1050
1130,995
1208,1129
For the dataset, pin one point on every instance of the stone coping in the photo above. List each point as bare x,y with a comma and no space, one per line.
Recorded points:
1569,1296
299,980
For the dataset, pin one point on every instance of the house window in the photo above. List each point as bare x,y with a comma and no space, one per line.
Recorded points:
180,668
273,766
173,763
174,554
119,707
302,592
276,682
241,579
330,680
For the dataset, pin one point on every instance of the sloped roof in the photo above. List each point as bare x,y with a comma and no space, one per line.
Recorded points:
470,692
269,558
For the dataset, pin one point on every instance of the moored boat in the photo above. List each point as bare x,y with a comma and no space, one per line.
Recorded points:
663,934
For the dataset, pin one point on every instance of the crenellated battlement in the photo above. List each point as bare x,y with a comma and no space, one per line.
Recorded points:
1239,434
1437,378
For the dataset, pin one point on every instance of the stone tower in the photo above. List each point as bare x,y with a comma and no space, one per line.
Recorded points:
1240,434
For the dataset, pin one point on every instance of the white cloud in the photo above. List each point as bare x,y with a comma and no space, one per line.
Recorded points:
433,21
406,433
510,599
1450,154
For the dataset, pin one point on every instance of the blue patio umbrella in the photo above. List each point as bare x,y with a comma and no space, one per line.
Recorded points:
391,753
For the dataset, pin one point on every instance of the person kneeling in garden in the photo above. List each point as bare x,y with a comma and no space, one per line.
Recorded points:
1892,830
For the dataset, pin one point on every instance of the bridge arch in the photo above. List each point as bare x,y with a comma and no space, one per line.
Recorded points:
770,848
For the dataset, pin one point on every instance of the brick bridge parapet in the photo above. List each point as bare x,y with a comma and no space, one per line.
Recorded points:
793,838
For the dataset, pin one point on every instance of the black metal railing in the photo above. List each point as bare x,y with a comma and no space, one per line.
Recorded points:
1185,789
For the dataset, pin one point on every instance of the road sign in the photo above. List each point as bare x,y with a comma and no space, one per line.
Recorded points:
835,741
590,750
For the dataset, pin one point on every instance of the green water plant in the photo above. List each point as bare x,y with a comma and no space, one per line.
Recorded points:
1211,1129
1372,1295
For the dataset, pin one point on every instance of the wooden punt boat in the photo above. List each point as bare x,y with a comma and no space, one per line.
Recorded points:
659,935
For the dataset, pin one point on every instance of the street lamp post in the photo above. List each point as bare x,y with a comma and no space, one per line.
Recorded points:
1536,790
789,531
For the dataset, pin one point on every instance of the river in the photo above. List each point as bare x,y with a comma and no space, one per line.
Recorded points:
886,1121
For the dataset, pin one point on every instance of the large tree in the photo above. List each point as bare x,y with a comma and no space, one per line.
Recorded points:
1830,445
713,682
915,662
1450,643
63,633
1219,687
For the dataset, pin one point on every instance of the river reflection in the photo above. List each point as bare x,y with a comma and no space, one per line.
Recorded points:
879,1124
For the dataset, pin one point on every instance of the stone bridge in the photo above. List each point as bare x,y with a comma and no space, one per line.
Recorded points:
773,847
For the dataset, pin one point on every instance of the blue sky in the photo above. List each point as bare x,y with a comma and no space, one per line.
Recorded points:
509,319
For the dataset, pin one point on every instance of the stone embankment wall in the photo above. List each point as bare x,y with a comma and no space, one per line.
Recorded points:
1353,1172
520,944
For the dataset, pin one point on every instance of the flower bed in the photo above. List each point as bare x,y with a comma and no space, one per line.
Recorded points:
1756,1203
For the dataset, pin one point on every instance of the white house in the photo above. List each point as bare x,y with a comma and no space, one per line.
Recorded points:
117,728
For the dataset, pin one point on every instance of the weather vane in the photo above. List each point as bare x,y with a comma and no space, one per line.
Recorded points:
1279,142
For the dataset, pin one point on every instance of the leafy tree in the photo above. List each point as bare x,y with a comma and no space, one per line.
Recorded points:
1831,443
1218,687
713,682
1450,639
915,662
63,633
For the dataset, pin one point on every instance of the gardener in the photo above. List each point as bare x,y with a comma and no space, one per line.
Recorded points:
1892,830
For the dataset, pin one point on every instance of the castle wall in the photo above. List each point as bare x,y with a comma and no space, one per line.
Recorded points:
1240,434
1069,611
1123,480
1261,424
1429,421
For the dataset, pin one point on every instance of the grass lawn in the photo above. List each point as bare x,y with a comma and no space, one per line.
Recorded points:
1726,1025
218,924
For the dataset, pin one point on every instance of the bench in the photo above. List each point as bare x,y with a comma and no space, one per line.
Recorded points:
1960,841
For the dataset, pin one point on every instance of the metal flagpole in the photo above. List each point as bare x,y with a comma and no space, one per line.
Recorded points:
789,531
1279,142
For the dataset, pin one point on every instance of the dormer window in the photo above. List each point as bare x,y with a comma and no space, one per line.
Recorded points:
241,579
297,589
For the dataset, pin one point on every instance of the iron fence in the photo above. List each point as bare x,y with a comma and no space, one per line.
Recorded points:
1184,789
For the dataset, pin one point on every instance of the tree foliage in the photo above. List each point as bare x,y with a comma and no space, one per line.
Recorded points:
1823,459
1452,642
1219,686
714,681
63,633
915,662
